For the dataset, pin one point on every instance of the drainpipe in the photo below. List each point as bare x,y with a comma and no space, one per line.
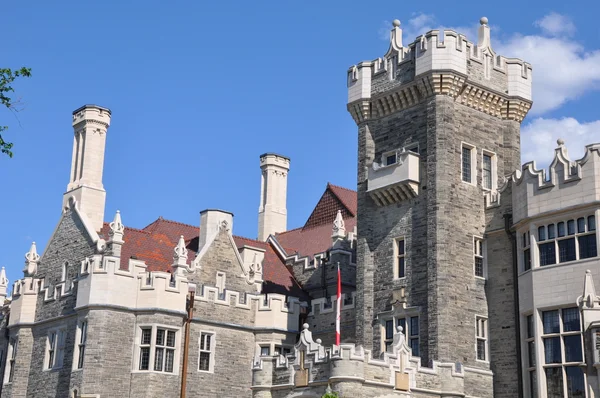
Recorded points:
513,240
186,342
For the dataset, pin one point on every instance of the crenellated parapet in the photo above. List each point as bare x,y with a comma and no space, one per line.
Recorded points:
348,368
440,63
565,184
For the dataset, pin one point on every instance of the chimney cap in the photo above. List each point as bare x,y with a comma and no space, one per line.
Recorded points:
91,106
274,154
217,210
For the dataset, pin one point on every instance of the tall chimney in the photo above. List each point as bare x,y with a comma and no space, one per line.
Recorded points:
90,123
272,212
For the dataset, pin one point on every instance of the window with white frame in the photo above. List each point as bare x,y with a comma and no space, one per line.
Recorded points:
468,166
157,348
400,254
488,170
390,158
563,353
568,240
525,242
478,257
207,352
410,328
482,338
55,348
265,350
9,371
531,359
80,343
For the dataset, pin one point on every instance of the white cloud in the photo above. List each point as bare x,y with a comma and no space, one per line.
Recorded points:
538,138
555,24
562,69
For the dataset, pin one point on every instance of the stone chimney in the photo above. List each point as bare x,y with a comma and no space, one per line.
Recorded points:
211,220
90,123
272,212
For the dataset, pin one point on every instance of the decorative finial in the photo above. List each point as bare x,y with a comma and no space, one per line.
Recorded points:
3,278
560,142
305,326
181,253
396,23
31,261
483,21
399,329
318,341
116,227
339,227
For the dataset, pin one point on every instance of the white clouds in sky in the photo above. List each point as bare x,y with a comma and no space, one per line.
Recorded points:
555,24
563,71
538,138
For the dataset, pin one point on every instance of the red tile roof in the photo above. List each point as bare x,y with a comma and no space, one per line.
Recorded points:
315,236
155,245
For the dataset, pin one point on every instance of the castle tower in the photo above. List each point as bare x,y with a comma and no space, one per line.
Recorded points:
272,212
90,123
438,127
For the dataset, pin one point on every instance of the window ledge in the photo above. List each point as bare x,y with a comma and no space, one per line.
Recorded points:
155,372
208,371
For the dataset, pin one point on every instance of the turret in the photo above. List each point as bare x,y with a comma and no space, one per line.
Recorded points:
90,124
272,212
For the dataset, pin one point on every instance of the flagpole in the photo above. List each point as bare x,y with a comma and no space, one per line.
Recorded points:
339,305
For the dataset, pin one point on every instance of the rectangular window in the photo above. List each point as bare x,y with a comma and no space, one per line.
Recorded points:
55,349
12,357
164,351
526,251
145,348
531,362
487,171
563,352
265,351
390,159
413,335
575,242
389,334
81,344
481,334
467,163
51,349
478,257
207,346
157,346
400,258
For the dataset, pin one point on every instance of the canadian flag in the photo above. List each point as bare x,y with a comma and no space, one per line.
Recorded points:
339,306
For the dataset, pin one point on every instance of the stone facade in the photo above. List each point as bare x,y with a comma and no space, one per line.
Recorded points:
455,272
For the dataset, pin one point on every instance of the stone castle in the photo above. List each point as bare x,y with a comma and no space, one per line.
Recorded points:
463,273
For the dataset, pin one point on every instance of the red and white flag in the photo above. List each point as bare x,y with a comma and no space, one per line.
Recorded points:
339,306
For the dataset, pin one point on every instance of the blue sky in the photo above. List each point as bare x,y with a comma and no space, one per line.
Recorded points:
199,90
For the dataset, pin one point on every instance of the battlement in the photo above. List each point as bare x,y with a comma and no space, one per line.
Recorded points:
440,62
565,184
314,366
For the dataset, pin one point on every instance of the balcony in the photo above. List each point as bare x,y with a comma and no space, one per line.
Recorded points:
398,180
